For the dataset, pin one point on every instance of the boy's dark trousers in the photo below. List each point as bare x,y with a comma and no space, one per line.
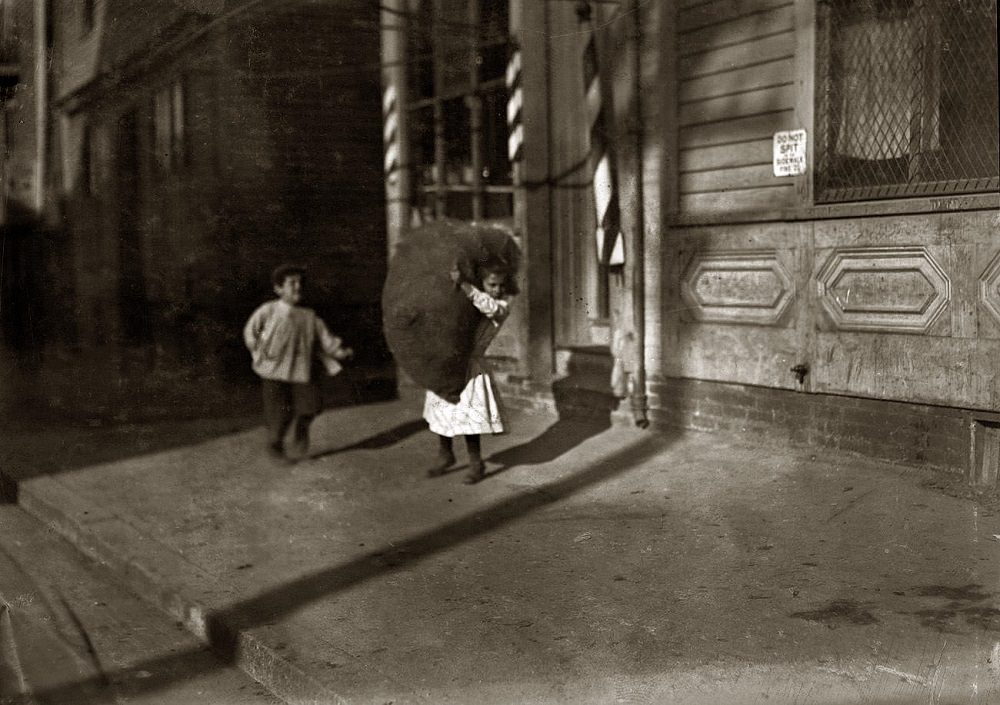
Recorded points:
285,402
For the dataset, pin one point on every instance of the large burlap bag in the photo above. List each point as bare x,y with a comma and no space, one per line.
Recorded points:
428,322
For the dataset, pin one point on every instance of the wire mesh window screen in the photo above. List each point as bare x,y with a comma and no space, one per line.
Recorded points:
906,98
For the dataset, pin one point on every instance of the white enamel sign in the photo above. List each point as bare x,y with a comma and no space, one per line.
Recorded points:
790,153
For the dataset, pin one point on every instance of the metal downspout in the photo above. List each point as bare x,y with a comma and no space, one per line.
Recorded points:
637,391
41,102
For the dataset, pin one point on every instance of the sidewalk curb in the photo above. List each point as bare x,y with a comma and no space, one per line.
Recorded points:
111,540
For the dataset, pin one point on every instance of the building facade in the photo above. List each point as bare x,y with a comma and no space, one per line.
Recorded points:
194,146
764,215
23,76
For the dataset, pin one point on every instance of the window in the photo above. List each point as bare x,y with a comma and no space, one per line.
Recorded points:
169,127
458,51
89,161
906,98
9,121
87,15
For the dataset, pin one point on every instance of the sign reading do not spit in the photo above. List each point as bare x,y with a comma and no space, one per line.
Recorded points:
790,153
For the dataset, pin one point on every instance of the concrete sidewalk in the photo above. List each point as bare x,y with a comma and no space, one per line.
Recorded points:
595,565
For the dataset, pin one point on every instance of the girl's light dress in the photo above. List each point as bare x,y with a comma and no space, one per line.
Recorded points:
479,409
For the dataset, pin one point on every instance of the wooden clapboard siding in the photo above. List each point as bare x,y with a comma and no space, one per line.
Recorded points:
772,73
742,104
716,11
727,178
736,88
736,56
766,197
726,155
756,26
736,130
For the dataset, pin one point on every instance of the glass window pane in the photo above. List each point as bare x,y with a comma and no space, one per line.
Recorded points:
498,205
456,41
492,61
458,147
161,127
449,55
421,77
494,21
421,129
496,165
493,39
178,120
458,205
420,58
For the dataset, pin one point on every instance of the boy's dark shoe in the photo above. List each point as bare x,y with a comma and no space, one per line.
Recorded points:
302,448
301,440
444,461
276,452
477,471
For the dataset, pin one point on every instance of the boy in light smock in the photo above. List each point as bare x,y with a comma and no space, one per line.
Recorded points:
283,339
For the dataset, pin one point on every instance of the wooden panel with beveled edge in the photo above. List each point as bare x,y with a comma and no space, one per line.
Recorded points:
890,290
920,332
737,287
989,288
731,311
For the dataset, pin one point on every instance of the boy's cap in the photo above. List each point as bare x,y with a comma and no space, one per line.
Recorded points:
286,270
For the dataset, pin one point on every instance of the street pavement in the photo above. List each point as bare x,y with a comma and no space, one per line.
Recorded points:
71,635
595,564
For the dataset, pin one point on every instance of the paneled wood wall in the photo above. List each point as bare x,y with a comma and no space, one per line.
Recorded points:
884,300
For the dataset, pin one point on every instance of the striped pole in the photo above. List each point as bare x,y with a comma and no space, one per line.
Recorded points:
515,101
609,240
390,132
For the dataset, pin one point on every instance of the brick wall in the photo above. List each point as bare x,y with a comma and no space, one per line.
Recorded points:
579,391
912,434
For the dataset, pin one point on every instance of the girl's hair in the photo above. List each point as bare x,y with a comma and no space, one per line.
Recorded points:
494,265
497,265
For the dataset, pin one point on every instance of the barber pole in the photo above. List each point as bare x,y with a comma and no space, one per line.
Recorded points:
515,102
390,132
610,245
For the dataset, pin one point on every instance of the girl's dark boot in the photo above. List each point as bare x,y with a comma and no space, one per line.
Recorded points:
445,459
477,469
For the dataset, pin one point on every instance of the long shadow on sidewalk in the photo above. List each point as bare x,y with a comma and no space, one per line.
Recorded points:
385,439
40,441
58,446
225,626
558,439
